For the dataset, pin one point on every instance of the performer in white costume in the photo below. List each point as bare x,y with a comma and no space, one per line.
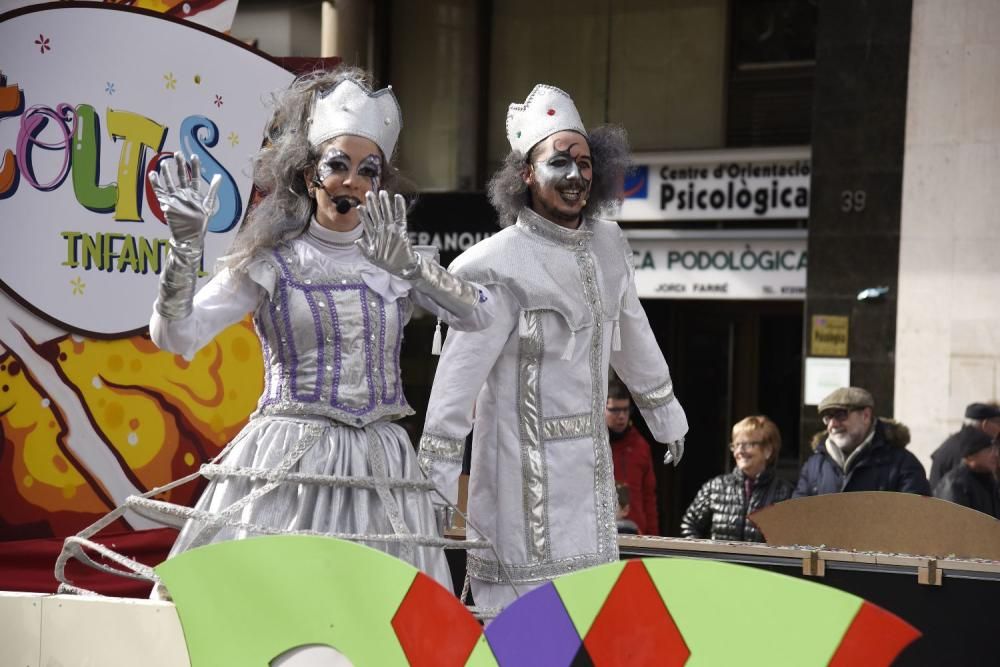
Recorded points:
562,283
329,297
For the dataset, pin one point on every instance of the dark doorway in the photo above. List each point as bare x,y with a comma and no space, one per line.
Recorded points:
728,360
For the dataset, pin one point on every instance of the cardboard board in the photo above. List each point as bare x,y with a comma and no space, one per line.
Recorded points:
882,521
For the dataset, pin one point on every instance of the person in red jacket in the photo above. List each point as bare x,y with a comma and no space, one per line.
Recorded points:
632,460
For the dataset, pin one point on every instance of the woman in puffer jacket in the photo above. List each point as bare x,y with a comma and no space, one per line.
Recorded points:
722,505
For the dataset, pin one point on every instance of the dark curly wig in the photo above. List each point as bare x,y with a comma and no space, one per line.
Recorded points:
612,158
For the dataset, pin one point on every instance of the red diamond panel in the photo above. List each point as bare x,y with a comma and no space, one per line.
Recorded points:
433,627
634,626
875,637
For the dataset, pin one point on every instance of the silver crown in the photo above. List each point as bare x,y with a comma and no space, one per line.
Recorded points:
546,110
351,108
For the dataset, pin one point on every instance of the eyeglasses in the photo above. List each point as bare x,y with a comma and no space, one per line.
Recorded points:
745,444
838,415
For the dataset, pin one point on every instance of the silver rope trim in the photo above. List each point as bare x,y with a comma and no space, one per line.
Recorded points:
216,471
376,458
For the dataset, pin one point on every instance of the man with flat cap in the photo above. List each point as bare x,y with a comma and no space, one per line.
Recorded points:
973,481
859,451
542,487
979,417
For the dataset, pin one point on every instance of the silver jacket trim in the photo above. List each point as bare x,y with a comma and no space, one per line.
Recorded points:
487,569
566,428
441,447
654,398
533,469
605,496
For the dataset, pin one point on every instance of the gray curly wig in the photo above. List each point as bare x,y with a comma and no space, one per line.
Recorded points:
612,158
285,209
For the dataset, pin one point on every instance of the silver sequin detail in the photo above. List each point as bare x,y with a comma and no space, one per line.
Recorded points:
534,481
442,447
487,569
605,501
566,428
655,397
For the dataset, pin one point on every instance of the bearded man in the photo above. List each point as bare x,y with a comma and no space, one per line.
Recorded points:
542,487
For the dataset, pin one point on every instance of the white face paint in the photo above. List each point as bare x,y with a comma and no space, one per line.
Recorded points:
348,167
559,177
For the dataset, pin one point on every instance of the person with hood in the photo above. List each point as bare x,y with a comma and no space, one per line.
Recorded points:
722,506
973,481
860,451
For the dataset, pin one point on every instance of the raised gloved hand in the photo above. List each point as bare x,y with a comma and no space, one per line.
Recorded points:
187,208
675,450
386,243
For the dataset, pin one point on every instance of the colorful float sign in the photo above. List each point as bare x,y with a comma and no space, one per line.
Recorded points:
91,99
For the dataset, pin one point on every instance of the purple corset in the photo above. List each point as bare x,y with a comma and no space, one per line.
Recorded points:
331,348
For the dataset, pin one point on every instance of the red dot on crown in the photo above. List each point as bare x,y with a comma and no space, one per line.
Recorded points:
551,112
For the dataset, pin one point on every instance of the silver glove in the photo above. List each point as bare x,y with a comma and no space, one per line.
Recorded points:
187,208
386,244
675,450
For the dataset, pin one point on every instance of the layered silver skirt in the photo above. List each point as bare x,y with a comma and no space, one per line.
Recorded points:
317,476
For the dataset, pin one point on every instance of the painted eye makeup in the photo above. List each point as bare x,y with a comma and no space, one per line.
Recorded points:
333,161
371,167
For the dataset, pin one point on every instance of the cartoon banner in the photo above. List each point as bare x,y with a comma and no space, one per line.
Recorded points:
91,99
214,14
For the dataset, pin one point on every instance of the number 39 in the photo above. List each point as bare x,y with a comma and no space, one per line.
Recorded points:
852,201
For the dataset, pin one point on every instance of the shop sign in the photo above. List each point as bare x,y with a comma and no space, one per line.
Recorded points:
720,268
718,185
829,336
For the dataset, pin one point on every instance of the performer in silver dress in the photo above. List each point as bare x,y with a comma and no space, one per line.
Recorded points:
329,297
542,488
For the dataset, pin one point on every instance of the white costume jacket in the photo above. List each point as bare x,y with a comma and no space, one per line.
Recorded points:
542,488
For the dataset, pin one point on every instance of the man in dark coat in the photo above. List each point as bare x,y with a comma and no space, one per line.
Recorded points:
983,417
972,482
859,452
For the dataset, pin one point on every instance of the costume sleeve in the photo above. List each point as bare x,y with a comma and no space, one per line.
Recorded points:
697,520
912,478
223,301
465,363
480,318
652,526
638,361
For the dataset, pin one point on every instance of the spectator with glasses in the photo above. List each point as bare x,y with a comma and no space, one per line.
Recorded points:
859,451
721,508
631,459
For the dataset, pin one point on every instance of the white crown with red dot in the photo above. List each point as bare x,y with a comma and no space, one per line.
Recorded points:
547,110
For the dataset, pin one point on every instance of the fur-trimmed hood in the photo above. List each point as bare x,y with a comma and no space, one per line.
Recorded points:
895,434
